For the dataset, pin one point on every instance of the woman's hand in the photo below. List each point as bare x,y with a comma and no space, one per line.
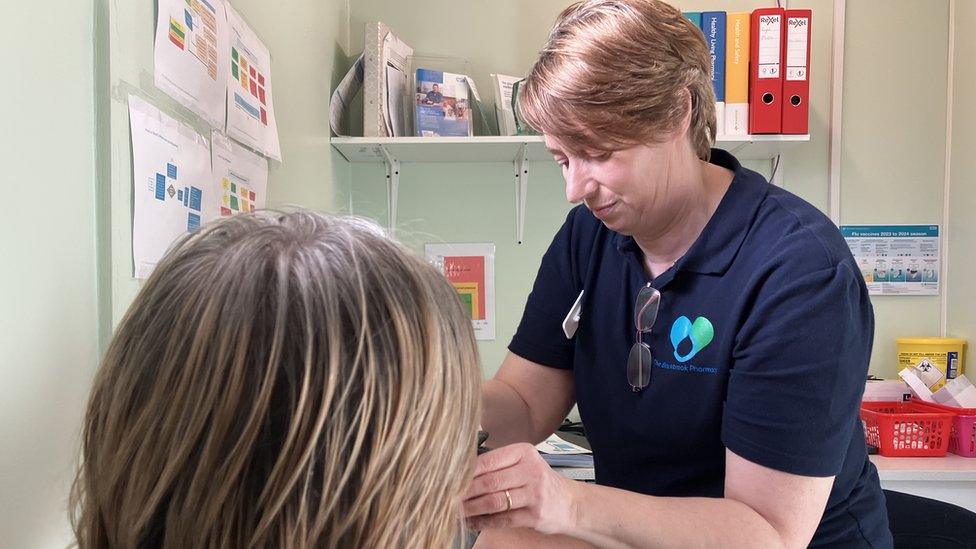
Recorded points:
513,487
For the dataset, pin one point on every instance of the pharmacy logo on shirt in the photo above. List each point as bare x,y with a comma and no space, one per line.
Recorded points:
700,332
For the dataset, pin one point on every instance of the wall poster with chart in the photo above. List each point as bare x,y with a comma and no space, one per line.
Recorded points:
470,268
192,39
250,106
240,177
171,183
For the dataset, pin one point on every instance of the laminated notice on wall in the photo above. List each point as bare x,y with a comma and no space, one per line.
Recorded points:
189,56
470,268
250,104
240,177
896,259
171,183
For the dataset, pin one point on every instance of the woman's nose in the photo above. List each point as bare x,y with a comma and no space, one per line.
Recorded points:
579,185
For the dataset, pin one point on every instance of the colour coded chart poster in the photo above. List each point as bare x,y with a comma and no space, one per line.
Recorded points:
240,176
896,259
192,42
171,185
470,268
250,109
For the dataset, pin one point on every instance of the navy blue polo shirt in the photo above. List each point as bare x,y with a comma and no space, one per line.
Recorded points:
761,345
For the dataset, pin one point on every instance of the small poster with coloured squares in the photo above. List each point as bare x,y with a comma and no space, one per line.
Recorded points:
470,268
171,183
250,107
240,176
192,38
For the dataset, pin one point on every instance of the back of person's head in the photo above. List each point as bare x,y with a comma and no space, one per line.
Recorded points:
283,380
618,73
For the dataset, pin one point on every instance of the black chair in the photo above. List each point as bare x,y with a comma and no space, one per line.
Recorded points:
923,523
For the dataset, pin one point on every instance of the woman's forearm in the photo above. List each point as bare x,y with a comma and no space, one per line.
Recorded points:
505,415
525,401
608,517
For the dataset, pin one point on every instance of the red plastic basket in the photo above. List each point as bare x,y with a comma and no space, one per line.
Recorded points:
962,435
906,429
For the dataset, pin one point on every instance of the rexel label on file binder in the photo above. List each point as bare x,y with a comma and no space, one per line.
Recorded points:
797,35
770,26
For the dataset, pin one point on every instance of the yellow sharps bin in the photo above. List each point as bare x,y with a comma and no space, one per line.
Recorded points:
933,359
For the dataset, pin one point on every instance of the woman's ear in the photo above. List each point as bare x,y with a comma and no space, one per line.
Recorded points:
682,131
685,124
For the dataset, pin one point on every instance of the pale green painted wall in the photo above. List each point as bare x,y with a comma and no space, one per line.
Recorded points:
66,155
309,42
48,320
473,203
962,190
308,47
894,141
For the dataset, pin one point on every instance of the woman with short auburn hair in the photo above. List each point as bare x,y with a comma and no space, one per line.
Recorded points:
713,329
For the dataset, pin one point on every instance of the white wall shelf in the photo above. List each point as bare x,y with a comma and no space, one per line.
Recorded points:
521,151
504,149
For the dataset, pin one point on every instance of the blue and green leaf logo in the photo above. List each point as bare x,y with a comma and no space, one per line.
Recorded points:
699,332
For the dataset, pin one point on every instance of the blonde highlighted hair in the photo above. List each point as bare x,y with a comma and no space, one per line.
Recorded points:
283,380
619,73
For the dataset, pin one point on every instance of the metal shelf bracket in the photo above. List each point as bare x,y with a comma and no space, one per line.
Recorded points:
521,186
392,186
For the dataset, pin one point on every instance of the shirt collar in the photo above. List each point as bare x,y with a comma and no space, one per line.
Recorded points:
720,240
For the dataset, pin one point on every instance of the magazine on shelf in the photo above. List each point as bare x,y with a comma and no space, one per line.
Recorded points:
521,128
443,105
385,81
504,111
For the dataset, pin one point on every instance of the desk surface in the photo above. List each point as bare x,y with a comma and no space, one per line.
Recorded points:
948,468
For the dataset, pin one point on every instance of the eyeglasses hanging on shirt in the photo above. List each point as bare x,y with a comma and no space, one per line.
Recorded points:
640,361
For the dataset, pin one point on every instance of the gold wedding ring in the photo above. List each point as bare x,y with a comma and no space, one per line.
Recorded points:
508,497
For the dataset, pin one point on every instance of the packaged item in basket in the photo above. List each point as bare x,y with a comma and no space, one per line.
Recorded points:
957,392
886,390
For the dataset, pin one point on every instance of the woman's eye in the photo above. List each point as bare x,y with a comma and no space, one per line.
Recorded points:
562,162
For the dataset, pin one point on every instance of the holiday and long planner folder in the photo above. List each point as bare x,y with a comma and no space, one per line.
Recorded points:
796,83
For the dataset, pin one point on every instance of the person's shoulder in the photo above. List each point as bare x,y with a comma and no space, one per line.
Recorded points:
793,228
